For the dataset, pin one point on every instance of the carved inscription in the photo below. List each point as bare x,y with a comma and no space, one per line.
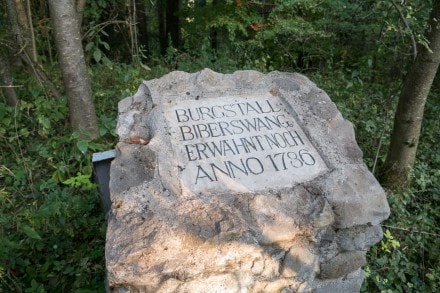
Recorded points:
240,143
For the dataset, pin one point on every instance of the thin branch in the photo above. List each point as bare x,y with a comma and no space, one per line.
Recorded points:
20,148
405,22
100,27
410,230
385,119
131,26
383,24
15,28
40,74
31,32
136,57
7,169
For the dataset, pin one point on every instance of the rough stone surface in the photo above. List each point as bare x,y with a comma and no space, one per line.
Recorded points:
342,264
348,284
243,182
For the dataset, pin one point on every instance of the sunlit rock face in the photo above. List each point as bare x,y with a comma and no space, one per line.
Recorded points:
243,182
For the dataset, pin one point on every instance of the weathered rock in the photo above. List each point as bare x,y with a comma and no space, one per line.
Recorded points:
347,284
342,264
243,182
359,237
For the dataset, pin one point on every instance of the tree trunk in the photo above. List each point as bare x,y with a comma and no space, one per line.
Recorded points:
409,114
213,33
6,82
141,24
66,22
172,22
163,39
27,31
15,30
19,35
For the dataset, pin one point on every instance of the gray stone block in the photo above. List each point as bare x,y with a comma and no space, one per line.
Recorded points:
243,182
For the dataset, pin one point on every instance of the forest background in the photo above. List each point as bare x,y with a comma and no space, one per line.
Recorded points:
52,228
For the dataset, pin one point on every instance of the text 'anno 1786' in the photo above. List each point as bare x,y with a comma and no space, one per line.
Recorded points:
239,138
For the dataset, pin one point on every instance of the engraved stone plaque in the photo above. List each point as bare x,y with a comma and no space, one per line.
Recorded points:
241,143
242,182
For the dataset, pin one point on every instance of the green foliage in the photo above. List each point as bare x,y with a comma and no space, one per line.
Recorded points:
304,35
51,226
408,258
96,46
367,104
106,32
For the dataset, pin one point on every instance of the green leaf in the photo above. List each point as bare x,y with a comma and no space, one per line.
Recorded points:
89,46
75,135
97,55
145,67
82,145
30,232
106,45
81,180
107,62
24,132
102,131
102,3
96,146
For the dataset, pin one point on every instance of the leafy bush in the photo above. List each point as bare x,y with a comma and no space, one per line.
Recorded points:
52,228
52,234
408,258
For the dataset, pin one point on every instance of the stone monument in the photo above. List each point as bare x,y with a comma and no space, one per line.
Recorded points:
243,182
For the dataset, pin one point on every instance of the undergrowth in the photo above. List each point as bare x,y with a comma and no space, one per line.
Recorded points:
408,257
52,228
